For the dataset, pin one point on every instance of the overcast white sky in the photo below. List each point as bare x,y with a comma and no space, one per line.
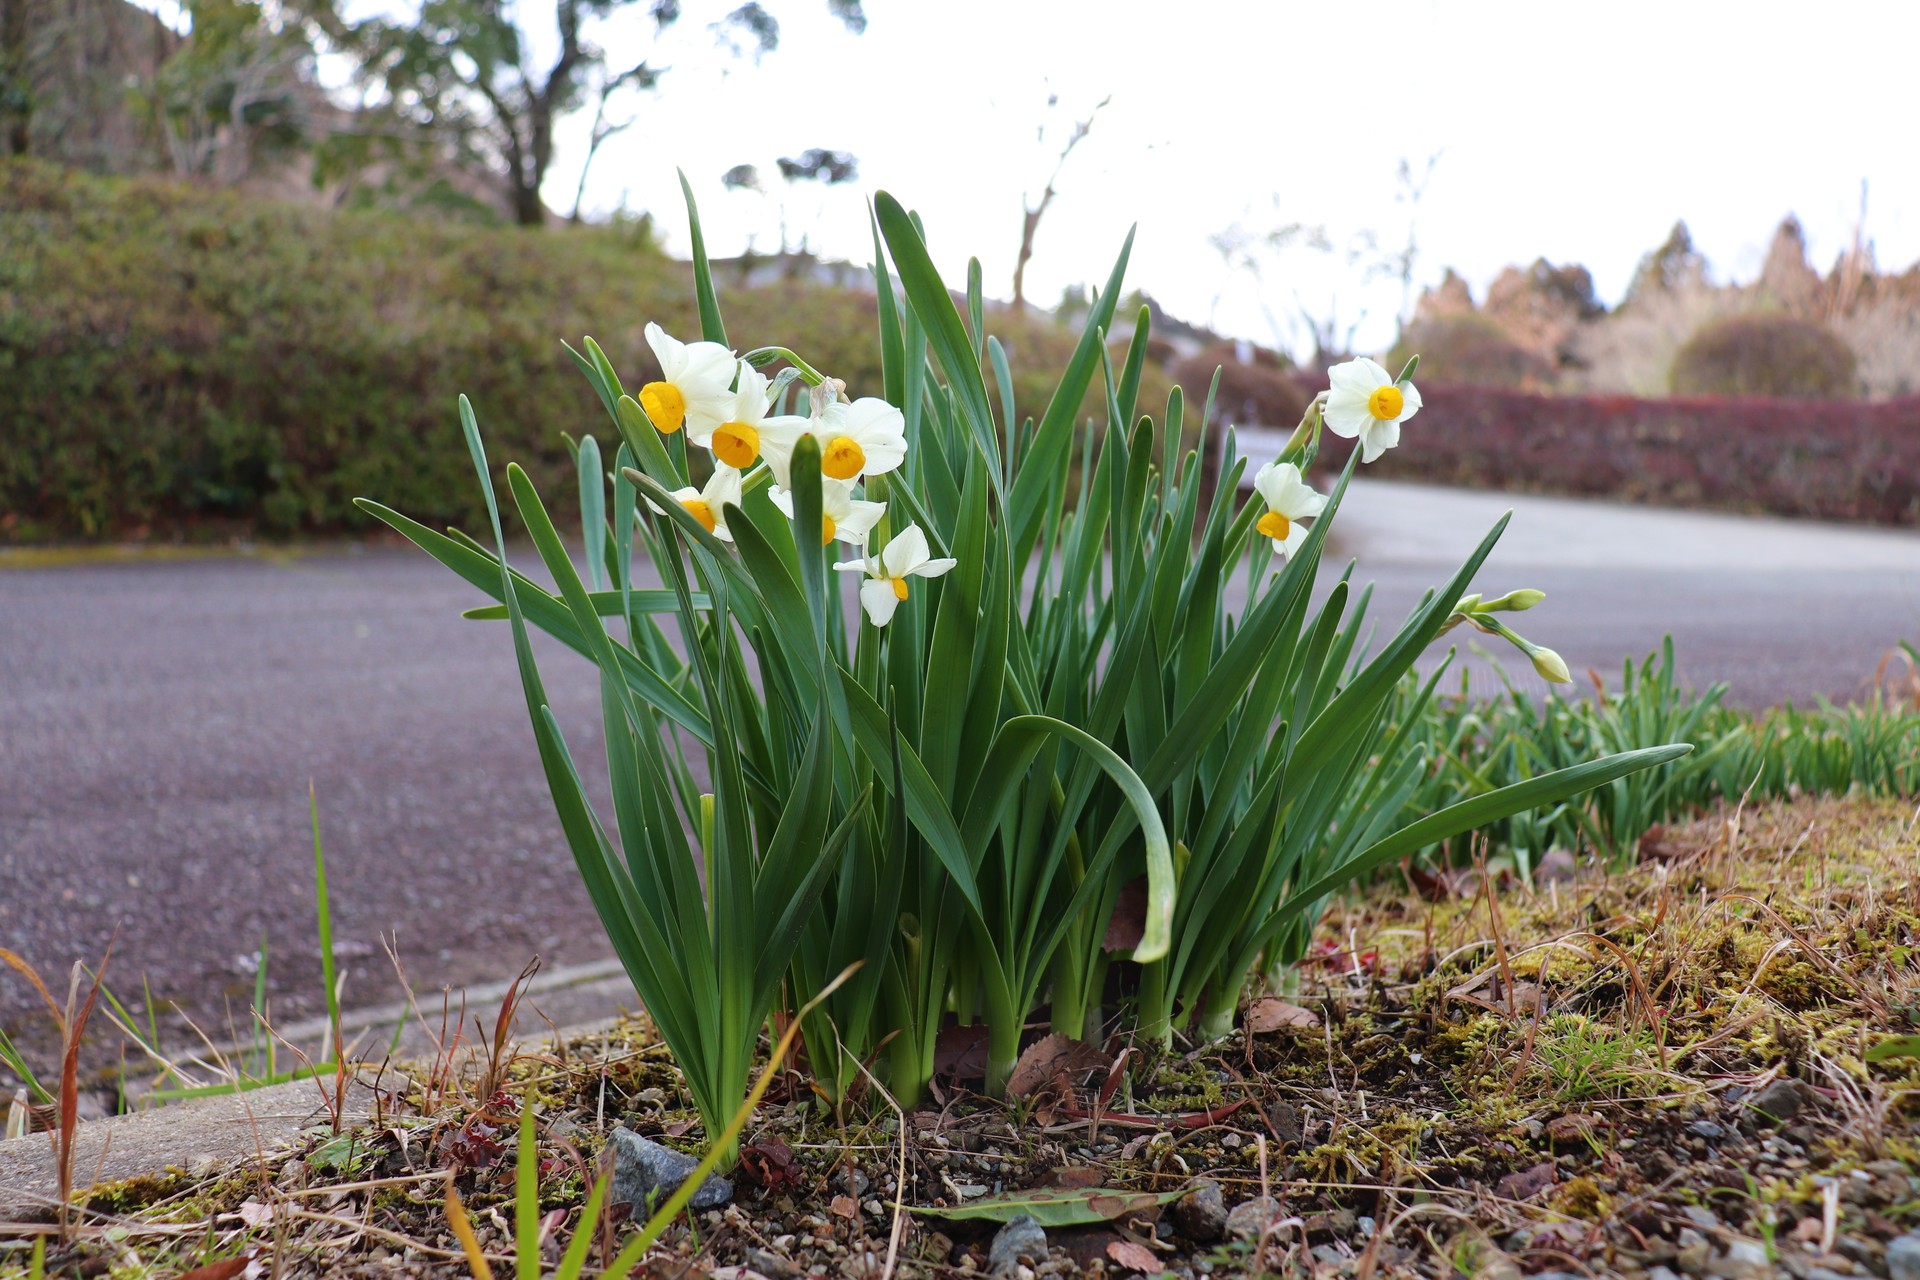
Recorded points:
1578,132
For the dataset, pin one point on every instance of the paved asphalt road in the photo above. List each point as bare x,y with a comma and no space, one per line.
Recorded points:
160,722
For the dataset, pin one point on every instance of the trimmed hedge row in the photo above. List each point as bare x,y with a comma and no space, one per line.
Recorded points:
1830,459
182,362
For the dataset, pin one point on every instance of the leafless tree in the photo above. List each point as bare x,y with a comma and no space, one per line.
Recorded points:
1033,212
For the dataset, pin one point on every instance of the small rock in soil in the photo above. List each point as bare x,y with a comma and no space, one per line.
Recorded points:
1202,1213
1903,1257
1251,1218
1780,1101
1743,1260
1021,1240
642,1168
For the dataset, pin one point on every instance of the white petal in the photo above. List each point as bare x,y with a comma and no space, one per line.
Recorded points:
869,418
1346,415
678,494
858,521
709,362
878,599
1410,396
1291,544
932,568
722,486
850,566
667,350
1353,376
783,502
883,456
1312,504
1266,483
1376,376
908,548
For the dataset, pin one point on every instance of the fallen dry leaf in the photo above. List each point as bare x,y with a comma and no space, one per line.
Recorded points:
1270,1015
245,1267
1055,1061
1135,1257
960,1053
1128,923
844,1207
1571,1127
1528,1183
1073,1178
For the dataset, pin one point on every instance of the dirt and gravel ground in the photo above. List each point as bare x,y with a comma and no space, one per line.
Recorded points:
1667,1071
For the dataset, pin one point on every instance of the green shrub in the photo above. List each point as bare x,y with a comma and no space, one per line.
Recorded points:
1468,349
182,362
1764,355
1262,391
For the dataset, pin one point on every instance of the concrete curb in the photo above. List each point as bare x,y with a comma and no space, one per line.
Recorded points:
229,1128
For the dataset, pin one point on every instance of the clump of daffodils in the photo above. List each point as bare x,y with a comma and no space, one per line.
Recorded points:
724,404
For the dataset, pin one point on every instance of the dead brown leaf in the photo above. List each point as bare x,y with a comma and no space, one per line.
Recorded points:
1128,923
844,1207
1058,1062
1528,1183
1135,1257
1269,1015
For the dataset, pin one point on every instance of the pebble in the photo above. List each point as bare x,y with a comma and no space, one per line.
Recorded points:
1706,1129
1743,1260
1251,1218
1903,1257
850,1181
1021,1242
1201,1214
642,1168
1780,1101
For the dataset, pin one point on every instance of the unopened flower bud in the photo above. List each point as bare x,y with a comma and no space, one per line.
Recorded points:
1522,600
1468,603
1551,666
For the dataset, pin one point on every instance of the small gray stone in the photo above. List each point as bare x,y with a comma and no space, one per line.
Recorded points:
1022,1240
1201,1214
1706,1129
642,1168
851,1181
1903,1257
1253,1217
1743,1260
1780,1101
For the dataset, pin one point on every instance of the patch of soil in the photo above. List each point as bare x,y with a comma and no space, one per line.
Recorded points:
1604,1073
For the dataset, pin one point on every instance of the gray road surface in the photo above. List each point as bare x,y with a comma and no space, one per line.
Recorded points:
160,722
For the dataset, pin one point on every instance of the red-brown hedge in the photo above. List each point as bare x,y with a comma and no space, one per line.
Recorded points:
1830,459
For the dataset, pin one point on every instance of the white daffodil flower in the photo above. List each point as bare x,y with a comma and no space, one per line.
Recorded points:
1365,402
865,438
709,505
1290,499
842,515
735,440
695,388
887,573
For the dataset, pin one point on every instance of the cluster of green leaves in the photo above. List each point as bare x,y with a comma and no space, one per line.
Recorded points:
179,361
1118,683
1476,746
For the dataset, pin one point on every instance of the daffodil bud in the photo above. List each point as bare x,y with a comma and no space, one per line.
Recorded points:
1468,603
1551,666
1515,601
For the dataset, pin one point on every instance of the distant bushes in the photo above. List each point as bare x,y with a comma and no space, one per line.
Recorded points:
1839,460
1471,349
180,362
1764,354
1262,391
